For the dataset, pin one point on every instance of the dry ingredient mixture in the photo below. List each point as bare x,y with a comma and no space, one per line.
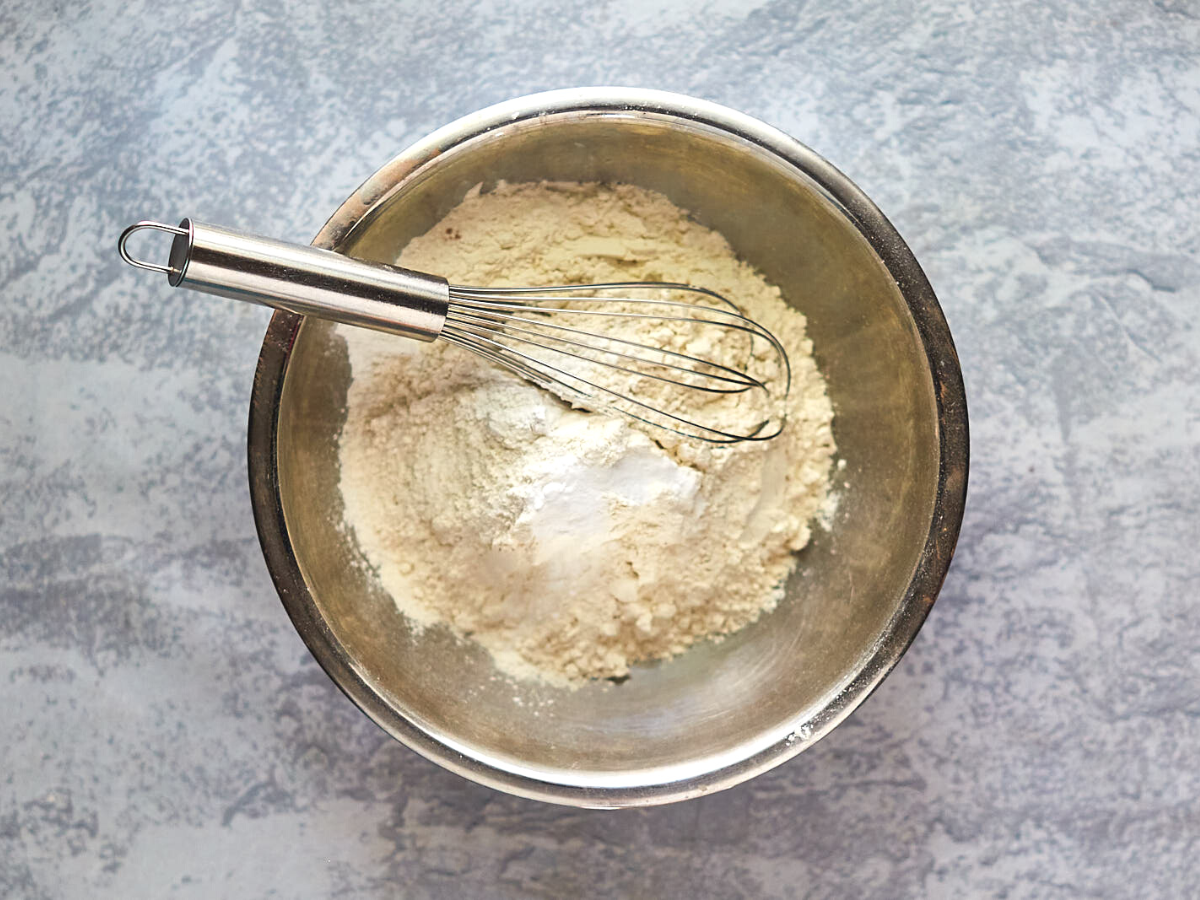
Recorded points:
567,543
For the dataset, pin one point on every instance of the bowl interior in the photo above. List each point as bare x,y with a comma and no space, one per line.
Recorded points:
720,703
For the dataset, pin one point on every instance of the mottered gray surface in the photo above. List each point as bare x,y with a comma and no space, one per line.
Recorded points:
164,732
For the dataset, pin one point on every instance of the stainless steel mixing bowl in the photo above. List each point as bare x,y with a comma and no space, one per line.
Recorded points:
722,712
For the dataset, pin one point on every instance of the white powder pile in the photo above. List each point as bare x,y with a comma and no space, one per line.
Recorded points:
567,543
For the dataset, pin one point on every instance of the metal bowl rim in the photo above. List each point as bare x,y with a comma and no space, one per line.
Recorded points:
953,448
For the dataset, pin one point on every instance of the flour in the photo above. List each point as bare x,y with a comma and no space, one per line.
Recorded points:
567,543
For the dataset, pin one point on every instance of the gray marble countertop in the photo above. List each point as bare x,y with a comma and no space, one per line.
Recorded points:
163,730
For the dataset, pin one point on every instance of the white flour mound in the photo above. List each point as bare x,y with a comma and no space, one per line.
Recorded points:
567,543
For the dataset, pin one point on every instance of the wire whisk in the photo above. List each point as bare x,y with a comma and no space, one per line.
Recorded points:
678,357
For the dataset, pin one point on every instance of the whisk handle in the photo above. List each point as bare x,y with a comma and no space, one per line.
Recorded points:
300,279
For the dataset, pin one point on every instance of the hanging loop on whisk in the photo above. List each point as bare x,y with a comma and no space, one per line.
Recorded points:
140,263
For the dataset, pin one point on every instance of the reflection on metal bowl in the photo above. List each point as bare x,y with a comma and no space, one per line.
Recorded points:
722,712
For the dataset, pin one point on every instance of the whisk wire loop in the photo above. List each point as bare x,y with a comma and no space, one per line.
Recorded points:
506,323
537,374
513,328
